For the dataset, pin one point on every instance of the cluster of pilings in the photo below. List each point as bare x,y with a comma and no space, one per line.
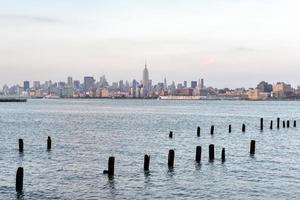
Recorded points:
171,156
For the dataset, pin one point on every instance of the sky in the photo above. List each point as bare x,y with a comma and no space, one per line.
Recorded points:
229,43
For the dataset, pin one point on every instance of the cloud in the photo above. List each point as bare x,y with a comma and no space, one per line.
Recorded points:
28,18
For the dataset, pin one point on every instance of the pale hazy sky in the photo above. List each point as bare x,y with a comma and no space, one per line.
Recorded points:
230,43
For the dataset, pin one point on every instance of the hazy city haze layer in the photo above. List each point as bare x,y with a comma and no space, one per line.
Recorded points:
230,43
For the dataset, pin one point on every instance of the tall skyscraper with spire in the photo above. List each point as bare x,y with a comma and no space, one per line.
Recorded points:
145,81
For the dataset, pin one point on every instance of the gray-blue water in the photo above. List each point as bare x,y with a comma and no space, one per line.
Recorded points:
86,132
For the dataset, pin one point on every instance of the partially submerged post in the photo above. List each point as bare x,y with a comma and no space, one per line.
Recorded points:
271,124
171,158
229,128
198,131
278,123
288,124
261,124
49,143
252,147
171,134
295,123
283,124
21,145
146,162
19,179
211,152
198,154
111,167
223,155
212,129
244,128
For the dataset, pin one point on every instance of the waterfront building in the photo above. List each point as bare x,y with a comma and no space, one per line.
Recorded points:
89,82
70,82
193,84
36,85
264,87
26,86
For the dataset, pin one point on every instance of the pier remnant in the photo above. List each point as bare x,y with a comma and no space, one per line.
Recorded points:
198,154
288,124
111,167
146,162
212,130
252,147
198,131
283,124
171,134
19,179
295,123
211,152
261,124
278,123
271,124
21,145
171,158
49,143
243,128
229,128
223,155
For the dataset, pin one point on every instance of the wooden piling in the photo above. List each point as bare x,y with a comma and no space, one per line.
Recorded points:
223,155
288,124
171,158
21,145
49,143
283,124
146,162
111,166
211,152
19,179
244,128
295,123
278,123
252,147
212,129
271,124
229,128
198,154
171,134
261,124
198,131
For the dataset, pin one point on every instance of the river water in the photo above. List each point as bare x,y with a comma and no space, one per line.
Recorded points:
86,132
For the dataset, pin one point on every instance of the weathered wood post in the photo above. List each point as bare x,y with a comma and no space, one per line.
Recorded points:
223,155
283,124
49,143
171,158
271,124
19,179
211,152
146,162
295,123
244,128
111,166
261,124
229,128
212,129
252,147
198,154
288,124
198,131
171,134
278,123
21,145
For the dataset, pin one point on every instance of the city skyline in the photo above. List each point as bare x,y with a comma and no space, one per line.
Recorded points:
241,41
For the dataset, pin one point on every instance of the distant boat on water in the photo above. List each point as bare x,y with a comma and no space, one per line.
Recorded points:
12,99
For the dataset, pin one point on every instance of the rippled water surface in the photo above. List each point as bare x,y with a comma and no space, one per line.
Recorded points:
86,132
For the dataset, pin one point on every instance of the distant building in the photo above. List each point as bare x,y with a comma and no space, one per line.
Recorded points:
103,82
282,90
185,84
76,84
70,82
264,87
145,81
36,85
26,86
202,84
89,82
193,84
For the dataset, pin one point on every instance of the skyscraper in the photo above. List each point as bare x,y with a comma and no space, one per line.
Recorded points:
89,82
70,81
26,85
145,81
